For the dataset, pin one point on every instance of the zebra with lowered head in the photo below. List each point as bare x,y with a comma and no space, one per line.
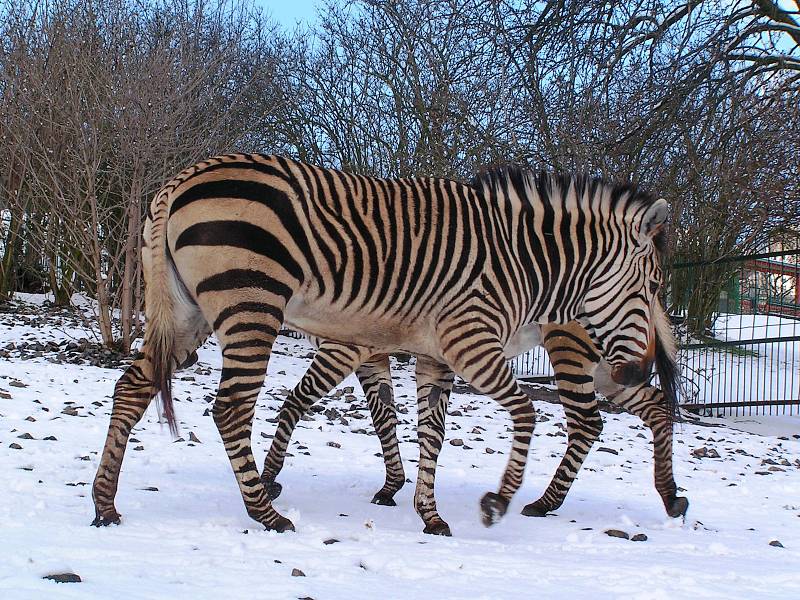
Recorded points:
240,244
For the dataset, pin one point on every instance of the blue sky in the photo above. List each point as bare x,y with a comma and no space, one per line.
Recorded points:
289,12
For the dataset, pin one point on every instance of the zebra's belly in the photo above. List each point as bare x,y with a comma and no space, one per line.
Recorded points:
361,328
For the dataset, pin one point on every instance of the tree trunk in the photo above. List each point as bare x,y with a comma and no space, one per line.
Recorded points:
128,283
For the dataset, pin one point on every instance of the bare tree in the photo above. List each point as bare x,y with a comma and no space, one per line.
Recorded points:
110,99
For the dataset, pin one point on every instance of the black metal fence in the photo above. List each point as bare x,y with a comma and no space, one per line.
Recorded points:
738,322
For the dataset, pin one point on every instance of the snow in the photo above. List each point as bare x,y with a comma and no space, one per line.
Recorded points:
192,539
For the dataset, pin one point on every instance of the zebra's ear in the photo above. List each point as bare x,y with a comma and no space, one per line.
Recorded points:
654,220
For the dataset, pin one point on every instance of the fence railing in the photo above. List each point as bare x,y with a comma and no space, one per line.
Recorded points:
742,357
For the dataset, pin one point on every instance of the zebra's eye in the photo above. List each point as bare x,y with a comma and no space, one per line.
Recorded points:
654,285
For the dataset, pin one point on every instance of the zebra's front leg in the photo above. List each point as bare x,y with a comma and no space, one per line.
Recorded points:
574,360
584,426
332,363
478,357
376,381
434,383
647,403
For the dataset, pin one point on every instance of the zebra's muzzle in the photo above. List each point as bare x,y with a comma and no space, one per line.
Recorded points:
632,373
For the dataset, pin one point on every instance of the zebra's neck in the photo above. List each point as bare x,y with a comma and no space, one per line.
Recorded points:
546,248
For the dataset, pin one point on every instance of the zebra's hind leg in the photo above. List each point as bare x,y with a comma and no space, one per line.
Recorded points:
376,380
233,411
574,361
434,384
132,395
647,403
332,363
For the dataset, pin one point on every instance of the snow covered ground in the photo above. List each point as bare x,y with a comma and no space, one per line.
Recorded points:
185,533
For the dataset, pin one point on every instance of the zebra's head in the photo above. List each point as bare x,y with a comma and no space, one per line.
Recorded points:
621,304
593,249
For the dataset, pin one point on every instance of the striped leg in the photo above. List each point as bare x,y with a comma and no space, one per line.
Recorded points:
132,395
584,426
574,365
434,383
376,380
233,411
647,403
332,363
479,359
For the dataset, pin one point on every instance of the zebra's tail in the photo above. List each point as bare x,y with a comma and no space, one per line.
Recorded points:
161,285
666,364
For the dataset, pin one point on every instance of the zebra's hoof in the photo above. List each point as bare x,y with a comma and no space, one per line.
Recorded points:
281,525
112,518
383,499
493,507
438,528
678,507
274,489
535,509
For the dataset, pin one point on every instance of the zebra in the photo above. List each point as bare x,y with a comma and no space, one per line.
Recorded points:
240,244
579,370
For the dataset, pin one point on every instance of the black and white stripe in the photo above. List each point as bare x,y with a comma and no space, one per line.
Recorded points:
241,244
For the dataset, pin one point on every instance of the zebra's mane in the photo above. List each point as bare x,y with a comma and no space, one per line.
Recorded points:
545,182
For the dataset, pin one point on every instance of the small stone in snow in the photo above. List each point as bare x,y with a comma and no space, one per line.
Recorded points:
63,577
609,450
457,442
150,489
15,446
776,543
193,438
50,438
617,533
18,384
639,537
5,395
25,436
334,444
297,573
330,541
489,450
